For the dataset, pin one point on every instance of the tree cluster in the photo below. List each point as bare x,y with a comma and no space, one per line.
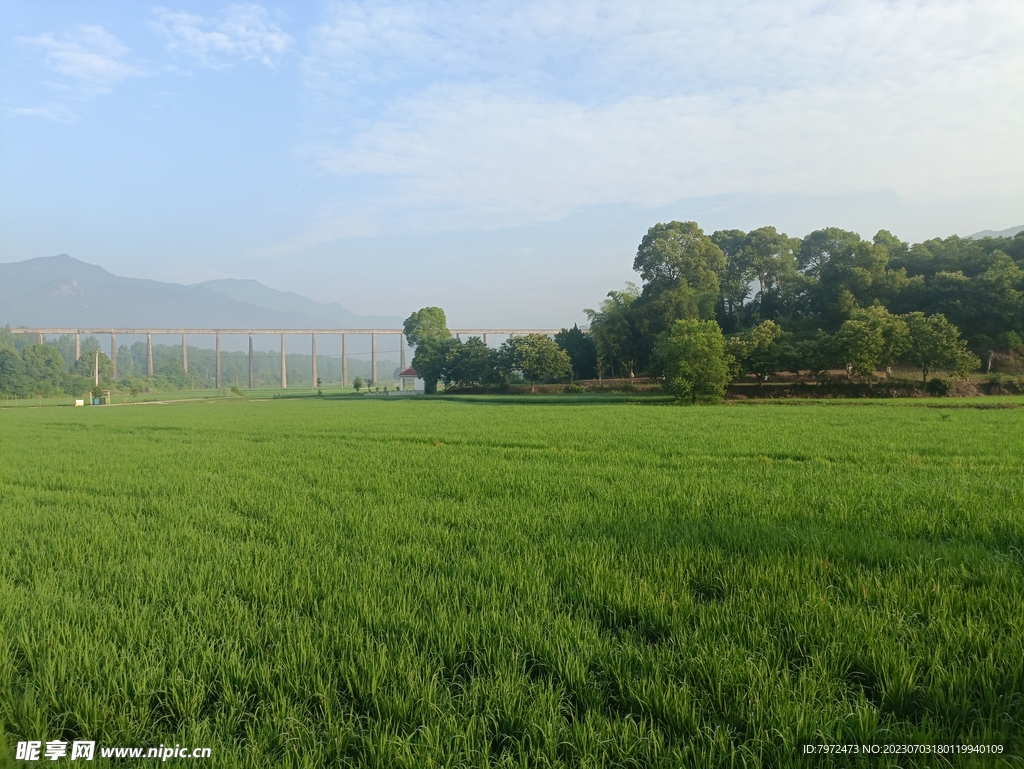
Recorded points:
440,357
39,369
831,300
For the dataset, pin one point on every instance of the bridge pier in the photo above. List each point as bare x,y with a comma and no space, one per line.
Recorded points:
313,337
42,333
284,370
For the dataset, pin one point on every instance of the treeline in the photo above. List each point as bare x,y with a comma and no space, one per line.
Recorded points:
29,370
713,308
830,300
40,369
440,357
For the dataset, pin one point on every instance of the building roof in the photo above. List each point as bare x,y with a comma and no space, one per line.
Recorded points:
409,372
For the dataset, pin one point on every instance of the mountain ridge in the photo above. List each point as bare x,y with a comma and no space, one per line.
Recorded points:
61,291
1009,232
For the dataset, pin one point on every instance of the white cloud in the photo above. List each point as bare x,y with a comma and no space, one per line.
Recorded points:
240,33
493,114
89,60
55,111
332,223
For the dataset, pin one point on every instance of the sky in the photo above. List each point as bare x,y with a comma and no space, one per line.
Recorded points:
499,159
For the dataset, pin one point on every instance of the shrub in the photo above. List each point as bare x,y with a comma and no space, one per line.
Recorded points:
938,387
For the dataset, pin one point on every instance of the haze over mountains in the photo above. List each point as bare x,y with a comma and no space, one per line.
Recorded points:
1007,233
60,291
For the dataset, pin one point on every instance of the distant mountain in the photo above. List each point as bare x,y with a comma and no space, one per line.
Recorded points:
255,293
997,233
59,291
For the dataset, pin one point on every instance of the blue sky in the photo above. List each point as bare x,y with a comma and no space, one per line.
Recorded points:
501,160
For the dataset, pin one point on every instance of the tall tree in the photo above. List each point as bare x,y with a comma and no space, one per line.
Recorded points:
469,364
694,360
536,356
427,331
849,271
680,267
581,350
770,258
936,343
426,323
614,329
44,366
12,373
679,251
756,351
872,339
734,280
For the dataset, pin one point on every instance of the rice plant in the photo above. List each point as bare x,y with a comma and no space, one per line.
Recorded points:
490,582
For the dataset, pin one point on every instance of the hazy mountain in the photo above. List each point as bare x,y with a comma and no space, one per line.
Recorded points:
59,291
1009,233
255,293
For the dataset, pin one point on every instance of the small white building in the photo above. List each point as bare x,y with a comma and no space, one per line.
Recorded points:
410,381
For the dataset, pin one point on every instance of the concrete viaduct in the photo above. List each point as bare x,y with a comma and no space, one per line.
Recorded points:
216,332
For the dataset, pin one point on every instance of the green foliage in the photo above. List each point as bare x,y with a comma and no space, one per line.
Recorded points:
756,351
358,383
369,583
836,297
614,328
680,266
693,358
871,340
679,252
425,324
12,373
38,370
936,343
469,364
581,349
938,387
7,338
427,331
537,356
1011,341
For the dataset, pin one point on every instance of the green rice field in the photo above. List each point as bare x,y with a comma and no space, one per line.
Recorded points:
564,582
